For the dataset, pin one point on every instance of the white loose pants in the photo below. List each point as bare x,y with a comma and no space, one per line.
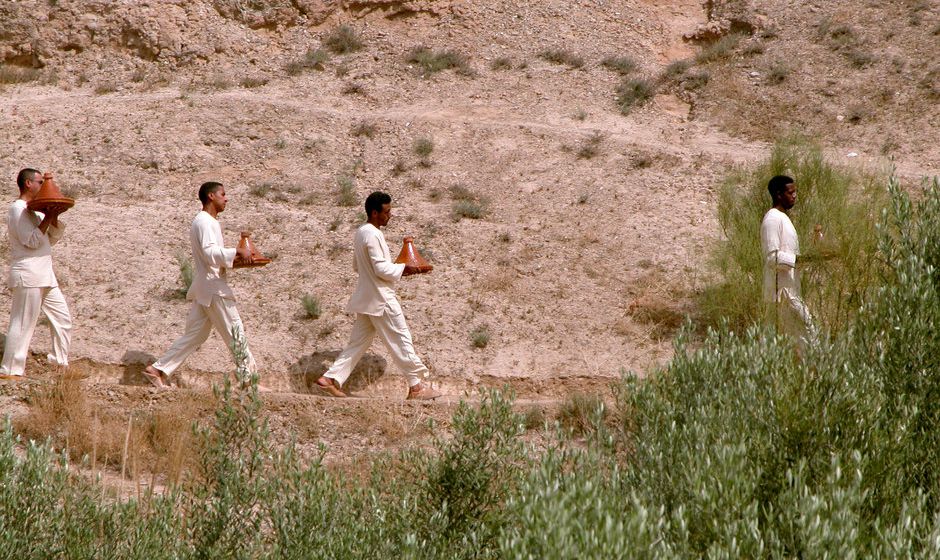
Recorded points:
221,314
794,320
393,330
27,303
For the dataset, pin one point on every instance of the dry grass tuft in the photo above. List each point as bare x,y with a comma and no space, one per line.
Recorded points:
16,75
562,56
430,62
623,65
659,304
133,442
499,280
634,93
343,40
578,413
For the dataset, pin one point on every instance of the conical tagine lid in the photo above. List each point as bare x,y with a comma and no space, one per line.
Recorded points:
410,256
257,258
50,198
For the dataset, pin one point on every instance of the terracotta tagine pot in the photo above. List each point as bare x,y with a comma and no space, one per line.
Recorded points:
410,256
257,258
50,198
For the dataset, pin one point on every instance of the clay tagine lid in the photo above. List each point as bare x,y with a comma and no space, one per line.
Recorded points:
410,256
50,198
257,258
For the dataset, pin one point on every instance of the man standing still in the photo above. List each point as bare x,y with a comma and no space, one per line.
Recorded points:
377,308
32,281
780,247
213,299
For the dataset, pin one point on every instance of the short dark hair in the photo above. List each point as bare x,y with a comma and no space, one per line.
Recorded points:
206,189
25,175
375,201
777,185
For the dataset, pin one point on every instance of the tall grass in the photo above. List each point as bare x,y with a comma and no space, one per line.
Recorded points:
836,272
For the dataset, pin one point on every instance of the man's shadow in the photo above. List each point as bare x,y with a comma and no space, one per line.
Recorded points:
134,362
305,371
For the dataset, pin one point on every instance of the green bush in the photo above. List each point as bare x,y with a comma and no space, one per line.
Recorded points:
311,305
313,59
345,190
845,203
185,265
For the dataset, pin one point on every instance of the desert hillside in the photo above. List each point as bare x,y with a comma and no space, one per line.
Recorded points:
556,161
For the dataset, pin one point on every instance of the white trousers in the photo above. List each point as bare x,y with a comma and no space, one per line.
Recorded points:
794,319
393,330
27,303
220,314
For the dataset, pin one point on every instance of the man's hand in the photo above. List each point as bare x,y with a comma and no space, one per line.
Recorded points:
409,270
50,218
245,254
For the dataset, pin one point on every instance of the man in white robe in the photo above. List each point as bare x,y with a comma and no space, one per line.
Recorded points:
32,281
213,300
377,308
780,248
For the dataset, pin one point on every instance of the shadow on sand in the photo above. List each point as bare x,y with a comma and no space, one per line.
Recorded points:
305,371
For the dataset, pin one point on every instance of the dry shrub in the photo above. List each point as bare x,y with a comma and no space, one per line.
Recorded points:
430,62
170,434
10,74
62,413
658,304
156,442
498,280
580,412
623,65
534,417
400,423
343,40
634,93
562,56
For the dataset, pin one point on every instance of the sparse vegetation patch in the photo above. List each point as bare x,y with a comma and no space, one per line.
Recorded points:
720,49
346,190
430,62
623,65
633,93
10,74
562,56
311,306
343,40
313,59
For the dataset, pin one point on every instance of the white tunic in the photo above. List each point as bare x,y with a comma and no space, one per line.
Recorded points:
377,273
210,259
30,248
779,247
